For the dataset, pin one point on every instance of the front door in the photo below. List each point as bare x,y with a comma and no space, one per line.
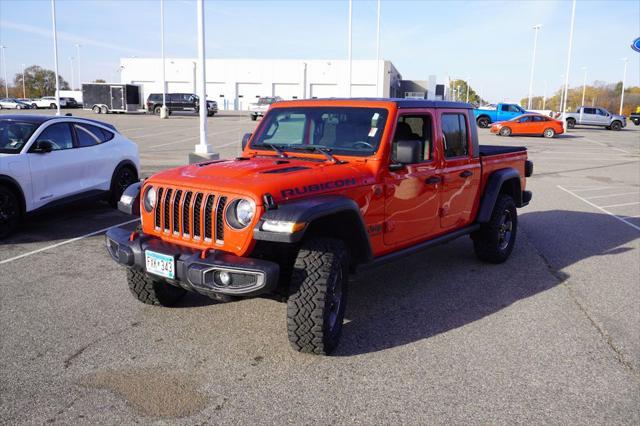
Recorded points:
461,171
117,98
411,202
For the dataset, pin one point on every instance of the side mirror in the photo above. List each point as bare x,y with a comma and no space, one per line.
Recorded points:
408,151
245,139
43,146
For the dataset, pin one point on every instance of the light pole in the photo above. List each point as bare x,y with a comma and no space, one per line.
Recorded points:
468,80
544,95
78,65
72,73
349,51
536,28
4,68
378,52
55,54
624,77
163,111
203,151
584,85
24,89
561,94
566,75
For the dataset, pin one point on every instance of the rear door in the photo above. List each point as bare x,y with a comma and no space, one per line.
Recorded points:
100,157
461,170
411,203
588,116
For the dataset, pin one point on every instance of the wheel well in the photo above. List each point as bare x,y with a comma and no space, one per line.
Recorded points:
483,116
511,187
345,226
14,187
571,119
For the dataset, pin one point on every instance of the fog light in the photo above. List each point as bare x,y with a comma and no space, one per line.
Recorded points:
223,278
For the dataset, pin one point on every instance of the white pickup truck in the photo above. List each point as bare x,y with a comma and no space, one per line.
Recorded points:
259,108
594,116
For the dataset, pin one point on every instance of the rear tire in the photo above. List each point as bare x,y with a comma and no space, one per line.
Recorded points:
254,117
120,181
52,106
571,123
10,212
96,109
483,122
549,133
104,110
494,241
616,125
151,291
34,106
318,296
505,131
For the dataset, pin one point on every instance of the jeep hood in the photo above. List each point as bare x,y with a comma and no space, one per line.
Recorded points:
283,178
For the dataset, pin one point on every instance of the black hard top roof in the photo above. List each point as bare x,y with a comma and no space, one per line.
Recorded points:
39,119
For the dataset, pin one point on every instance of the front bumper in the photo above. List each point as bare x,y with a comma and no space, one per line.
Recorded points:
193,272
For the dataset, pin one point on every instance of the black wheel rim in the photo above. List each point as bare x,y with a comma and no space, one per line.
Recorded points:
125,178
484,122
334,297
8,212
505,229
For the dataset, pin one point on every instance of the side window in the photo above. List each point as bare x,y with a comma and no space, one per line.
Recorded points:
59,134
588,111
415,127
505,108
89,135
454,135
602,112
514,108
525,119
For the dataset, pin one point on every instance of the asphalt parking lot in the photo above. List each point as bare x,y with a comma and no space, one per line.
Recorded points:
551,336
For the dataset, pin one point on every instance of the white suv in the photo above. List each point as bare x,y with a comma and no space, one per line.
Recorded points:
48,102
46,161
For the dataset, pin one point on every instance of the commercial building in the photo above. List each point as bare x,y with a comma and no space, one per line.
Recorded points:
236,83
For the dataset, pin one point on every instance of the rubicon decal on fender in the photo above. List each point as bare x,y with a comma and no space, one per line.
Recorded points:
317,187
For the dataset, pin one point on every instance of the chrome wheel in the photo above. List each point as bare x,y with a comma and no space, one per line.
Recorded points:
549,133
505,229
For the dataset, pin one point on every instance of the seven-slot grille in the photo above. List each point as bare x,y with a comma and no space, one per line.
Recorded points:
192,215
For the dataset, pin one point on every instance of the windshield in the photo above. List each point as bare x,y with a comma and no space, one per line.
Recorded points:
348,131
266,101
14,135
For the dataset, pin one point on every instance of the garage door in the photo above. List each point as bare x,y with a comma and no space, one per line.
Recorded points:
324,90
286,90
363,90
247,93
215,92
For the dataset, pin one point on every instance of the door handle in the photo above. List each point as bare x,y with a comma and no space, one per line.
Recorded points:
433,180
466,174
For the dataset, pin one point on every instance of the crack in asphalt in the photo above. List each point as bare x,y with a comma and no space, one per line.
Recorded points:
69,360
564,281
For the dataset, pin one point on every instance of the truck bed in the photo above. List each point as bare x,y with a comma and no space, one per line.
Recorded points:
486,150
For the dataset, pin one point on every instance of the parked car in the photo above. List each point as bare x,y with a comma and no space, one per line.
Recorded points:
179,102
529,124
48,102
11,103
635,117
46,161
373,181
594,116
70,103
259,108
484,117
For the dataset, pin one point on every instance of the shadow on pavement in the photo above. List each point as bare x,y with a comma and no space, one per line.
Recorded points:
446,287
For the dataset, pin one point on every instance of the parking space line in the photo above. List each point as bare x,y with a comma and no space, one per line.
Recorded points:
621,205
613,195
621,219
595,188
197,137
91,234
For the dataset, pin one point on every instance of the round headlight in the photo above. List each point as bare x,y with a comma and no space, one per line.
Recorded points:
149,199
245,210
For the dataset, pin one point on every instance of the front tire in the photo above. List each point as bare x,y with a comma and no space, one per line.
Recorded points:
9,212
52,106
616,125
318,296
494,241
505,131
96,109
151,291
571,123
120,181
549,133
104,110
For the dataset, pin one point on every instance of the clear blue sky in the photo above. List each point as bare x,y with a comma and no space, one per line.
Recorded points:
489,42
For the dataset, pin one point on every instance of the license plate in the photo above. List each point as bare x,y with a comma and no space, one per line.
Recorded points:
160,264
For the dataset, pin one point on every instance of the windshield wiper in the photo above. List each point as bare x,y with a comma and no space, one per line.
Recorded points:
319,149
277,149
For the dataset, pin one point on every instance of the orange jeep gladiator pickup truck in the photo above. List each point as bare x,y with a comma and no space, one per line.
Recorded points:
323,188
